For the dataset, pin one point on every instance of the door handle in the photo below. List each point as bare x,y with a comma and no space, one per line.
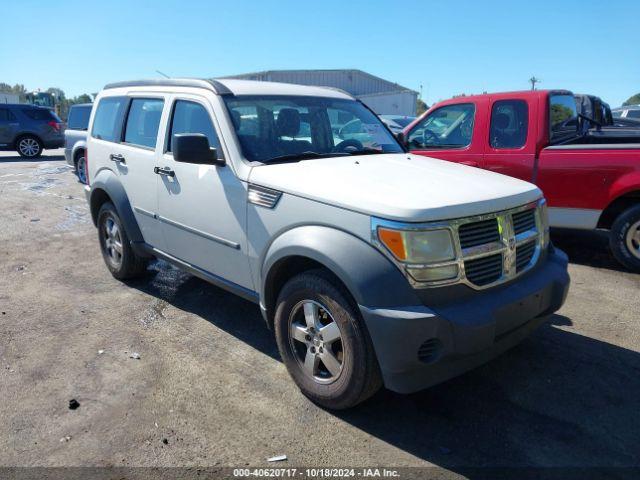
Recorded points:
166,171
470,163
116,157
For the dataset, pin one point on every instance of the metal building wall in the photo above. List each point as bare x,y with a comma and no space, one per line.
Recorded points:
392,103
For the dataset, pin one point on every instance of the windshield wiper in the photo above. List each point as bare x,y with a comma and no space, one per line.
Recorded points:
295,157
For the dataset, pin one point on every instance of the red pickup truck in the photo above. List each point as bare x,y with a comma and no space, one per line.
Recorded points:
590,179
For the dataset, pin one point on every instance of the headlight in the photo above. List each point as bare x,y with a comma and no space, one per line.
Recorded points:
543,211
419,246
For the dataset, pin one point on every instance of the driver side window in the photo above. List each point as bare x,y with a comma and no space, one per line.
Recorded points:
450,126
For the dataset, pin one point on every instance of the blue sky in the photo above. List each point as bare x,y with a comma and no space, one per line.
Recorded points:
447,47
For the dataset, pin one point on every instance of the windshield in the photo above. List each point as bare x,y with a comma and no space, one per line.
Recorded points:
274,128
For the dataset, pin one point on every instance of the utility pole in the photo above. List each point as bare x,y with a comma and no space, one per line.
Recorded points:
533,81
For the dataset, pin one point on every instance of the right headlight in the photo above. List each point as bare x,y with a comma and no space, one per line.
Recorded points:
423,251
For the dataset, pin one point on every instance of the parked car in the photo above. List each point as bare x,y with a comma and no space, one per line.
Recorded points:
396,123
75,139
372,265
29,130
590,180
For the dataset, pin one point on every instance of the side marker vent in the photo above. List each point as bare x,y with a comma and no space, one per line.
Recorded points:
264,197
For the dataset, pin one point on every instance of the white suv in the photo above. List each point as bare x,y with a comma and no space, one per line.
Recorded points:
372,265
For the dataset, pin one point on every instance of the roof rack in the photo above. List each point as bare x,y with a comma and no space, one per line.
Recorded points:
211,84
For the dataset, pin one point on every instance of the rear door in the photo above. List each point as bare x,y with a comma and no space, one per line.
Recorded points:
125,140
510,141
202,208
451,132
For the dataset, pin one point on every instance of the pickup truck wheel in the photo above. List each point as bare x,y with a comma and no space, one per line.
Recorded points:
625,238
81,168
29,146
118,255
323,342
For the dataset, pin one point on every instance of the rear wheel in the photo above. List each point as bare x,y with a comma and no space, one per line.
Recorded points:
323,342
625,238
81,168
29,146
121,260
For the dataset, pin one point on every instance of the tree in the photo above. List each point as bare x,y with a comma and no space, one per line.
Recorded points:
633,100
421,107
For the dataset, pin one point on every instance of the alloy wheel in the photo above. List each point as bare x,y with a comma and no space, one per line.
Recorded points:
633,239
316,341
82,170
112,241
28,147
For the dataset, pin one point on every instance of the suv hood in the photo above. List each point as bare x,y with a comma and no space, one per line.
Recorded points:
402,187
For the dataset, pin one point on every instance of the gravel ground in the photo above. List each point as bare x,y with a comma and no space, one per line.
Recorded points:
209,388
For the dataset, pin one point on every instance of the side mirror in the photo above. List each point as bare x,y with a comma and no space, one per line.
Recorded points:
194,148
402,140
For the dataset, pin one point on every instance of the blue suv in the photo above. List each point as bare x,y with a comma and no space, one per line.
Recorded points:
28,129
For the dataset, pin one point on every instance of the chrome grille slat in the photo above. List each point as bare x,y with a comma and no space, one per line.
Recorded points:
485,270
523,221
478,233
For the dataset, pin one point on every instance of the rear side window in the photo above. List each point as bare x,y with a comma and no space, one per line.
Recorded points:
79,118
143,122
41,114
450,126
509,124
633,114
108,119
6,115
191,117
563,119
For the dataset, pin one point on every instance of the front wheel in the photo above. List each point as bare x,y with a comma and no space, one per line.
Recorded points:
121,260
323,342
625,238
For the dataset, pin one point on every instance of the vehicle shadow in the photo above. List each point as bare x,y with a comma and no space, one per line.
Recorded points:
558,399
586,247
43,158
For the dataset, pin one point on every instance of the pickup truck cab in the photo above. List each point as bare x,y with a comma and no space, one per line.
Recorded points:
591,179
373,266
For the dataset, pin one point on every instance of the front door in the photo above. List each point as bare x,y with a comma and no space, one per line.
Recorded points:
202,208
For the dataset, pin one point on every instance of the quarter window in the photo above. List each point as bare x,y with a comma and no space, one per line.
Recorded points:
143,122
509,124
108,119
191,117
450,126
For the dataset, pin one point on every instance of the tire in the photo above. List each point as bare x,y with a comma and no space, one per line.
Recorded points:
624,238
116,249
29,146
337,336
81,168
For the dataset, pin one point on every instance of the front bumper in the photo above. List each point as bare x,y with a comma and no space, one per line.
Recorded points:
420,346
68,156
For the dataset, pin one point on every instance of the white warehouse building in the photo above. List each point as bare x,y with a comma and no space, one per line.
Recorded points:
382,96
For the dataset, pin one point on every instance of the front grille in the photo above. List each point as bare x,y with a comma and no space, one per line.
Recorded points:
485,270
524,221
479,233
524,254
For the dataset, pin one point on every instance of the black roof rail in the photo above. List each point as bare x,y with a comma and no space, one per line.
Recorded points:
210,84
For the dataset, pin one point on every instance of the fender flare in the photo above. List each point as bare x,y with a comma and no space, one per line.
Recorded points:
107,183
79,145
371,278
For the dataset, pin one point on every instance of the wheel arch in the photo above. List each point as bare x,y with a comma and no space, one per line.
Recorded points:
367,275
27,134
106,187
617,206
